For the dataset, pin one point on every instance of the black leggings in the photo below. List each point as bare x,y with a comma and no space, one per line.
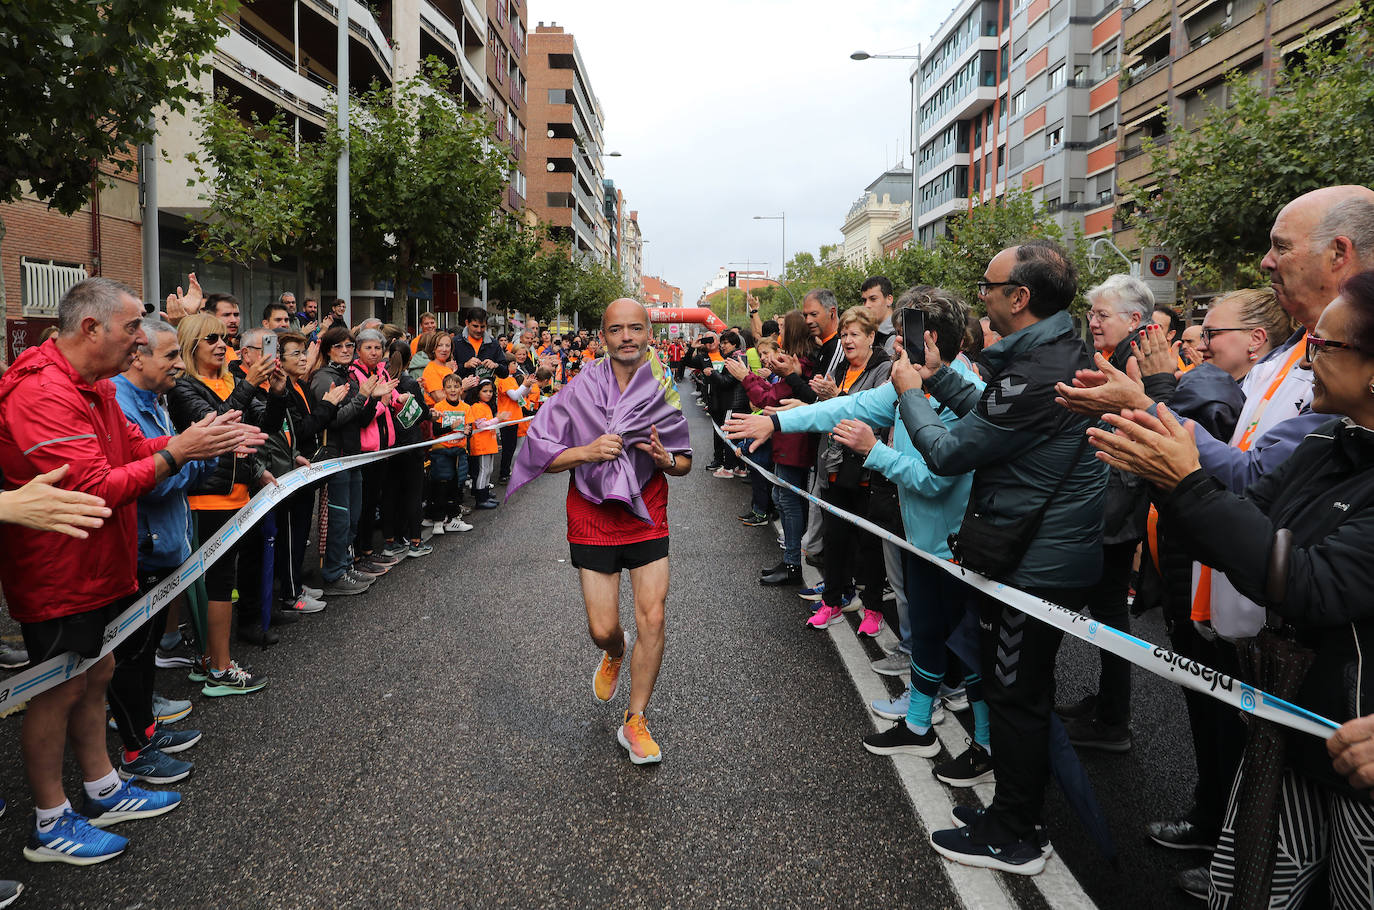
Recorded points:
510,438
131,687
402,504
851,553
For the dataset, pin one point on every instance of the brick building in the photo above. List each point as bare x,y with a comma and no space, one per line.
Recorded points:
654,291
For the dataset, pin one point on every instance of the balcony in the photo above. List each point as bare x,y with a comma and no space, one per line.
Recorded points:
1134,166
1144,92
1144,20
362,24
266,66
1215,49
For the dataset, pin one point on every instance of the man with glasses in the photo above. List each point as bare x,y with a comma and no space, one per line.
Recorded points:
1029,457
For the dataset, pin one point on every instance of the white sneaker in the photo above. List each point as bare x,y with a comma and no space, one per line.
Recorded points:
453,524
308,591
314,603
464,526
437,528
426,523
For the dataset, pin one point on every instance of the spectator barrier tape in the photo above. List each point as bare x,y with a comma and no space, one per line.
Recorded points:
20,688
1160,661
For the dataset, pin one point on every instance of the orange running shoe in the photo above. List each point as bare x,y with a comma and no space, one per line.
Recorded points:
634,736
606,682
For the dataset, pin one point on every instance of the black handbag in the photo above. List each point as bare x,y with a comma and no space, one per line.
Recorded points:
996,550
851,473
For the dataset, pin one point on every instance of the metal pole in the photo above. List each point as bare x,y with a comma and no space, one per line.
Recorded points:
782,269
343,260
152,293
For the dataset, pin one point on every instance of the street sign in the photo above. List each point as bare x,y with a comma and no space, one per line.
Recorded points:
674,330
1159,270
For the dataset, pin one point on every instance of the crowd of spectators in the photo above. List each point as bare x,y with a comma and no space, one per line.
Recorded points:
1113,464
129,437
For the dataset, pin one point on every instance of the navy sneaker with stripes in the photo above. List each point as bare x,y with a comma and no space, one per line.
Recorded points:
128,803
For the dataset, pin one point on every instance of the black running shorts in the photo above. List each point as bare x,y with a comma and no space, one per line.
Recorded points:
83,633
609,560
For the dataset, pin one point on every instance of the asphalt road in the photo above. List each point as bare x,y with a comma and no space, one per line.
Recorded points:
435,743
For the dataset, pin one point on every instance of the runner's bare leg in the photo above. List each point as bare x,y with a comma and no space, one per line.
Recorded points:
601,594
650,586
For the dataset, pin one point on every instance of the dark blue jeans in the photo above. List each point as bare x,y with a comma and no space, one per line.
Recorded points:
345,508
793,510
761,487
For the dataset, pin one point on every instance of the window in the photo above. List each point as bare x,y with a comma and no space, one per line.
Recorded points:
1054,138
1018,104
44,283
1056,78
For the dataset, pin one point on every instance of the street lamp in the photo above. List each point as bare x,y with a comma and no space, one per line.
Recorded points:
865,55
1094,257
782,266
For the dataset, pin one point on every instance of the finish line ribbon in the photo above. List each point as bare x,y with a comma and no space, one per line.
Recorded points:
59,669
1160,661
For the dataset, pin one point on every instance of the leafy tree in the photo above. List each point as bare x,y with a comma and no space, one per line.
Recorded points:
426,176
1222,183
79,83
288,205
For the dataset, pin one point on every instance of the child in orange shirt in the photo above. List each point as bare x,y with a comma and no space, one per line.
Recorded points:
483,446
448,461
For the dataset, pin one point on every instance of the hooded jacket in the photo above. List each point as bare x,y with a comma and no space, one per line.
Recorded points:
50,416
1318,583
341,435
1019,442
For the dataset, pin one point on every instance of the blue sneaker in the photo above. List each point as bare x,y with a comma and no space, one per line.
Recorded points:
896,708
155,767
72,839
812,593
173,741
127,803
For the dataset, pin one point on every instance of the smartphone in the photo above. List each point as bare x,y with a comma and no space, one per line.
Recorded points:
914,335
269,346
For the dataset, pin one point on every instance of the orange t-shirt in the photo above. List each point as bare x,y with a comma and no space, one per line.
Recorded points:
230,355
506,409
432,380
237,497
531,404
588,355
444,407
851,376
483,443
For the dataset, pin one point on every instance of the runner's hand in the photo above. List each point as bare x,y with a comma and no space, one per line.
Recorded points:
663,459
604,448
42,505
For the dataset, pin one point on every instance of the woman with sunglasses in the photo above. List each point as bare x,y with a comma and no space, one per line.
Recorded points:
207,387
342,437
1297,543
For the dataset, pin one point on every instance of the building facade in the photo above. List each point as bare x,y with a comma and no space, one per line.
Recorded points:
1177,55
1017,94
874,214
566,175
654,291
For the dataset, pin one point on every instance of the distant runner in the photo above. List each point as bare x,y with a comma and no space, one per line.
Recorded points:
617,499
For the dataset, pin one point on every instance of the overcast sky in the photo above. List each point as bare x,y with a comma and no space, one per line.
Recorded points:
726,110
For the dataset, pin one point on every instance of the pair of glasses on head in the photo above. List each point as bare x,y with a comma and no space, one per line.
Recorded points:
985,286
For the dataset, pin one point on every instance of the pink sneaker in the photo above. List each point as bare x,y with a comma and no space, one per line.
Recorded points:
722,473
825,617
872,624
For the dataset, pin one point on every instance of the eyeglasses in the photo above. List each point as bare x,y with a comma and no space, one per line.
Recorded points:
985,286
1101,315
1206,336
214,338
344,346
1316,345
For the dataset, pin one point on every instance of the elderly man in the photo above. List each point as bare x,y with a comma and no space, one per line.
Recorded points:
617,499
57,407
1034,521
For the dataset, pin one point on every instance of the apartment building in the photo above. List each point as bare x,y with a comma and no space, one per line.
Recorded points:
508,90
1017,94
873,215
1177,55
655,291
566,175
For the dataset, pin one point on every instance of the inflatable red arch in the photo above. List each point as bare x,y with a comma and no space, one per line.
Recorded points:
697,315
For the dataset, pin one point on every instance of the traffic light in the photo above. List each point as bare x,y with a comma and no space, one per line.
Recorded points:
733,284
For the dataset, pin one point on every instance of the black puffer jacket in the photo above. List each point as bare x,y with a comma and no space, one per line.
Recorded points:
341,433
190,400
1319,581
1128,496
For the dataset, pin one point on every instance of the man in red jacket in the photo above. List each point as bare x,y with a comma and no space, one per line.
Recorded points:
58,407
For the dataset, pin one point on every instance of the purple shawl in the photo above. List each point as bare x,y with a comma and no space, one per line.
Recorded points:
592,405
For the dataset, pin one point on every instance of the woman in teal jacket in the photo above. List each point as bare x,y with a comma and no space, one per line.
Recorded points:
932,509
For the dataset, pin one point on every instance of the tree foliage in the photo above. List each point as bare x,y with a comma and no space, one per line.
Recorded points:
1223,181
79,83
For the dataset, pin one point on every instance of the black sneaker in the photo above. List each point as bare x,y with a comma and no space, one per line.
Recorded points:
754,519
1084,707
1181,834
974,766
257,635
1019,857
181,655
1195,882
714,466
1091,733
782,575
967,815
899,739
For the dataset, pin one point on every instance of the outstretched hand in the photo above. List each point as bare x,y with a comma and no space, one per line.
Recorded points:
1105,390
42,505
1160,449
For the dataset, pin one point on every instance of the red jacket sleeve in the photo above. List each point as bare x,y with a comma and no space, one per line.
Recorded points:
55,430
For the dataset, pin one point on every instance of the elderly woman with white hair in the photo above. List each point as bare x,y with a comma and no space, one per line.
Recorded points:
1118,311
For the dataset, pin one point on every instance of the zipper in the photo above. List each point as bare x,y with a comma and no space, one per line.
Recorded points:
1359,670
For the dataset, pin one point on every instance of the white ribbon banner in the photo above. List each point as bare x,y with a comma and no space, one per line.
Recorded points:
57,670
1160,661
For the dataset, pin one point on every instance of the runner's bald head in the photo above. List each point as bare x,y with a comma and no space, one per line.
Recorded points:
624,309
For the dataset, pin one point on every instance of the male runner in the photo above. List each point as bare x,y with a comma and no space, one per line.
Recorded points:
617,499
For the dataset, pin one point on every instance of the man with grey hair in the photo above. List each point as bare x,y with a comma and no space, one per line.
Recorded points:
57,407
250,352
821,311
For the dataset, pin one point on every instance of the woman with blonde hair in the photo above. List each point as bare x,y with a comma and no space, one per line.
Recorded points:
207,387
